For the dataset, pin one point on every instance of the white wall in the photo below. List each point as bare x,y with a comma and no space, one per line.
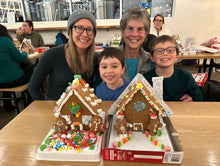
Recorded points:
192,18
197,18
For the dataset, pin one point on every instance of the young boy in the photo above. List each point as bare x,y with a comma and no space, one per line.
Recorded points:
178,85
111,66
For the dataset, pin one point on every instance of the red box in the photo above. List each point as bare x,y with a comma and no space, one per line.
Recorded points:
173,157
41,49
200,78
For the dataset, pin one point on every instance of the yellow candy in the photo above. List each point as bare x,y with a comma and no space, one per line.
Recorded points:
78,150
58,139
139,86
60,149
158,144
52,143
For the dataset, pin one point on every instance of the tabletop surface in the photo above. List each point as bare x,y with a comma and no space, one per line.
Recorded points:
197,123
203,55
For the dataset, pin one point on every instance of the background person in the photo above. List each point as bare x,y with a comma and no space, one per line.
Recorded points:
61,63
27,31
135,25
11,74
158,29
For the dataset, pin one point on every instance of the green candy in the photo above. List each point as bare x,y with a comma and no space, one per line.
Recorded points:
159,132
162,146
77,76
119,144
74,109
129,138
77,138
47,141
92,147
42,147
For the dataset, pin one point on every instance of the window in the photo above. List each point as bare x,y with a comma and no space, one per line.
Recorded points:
58,10
10,6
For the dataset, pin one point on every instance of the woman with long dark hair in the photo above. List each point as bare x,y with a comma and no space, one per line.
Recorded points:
11,74
61,63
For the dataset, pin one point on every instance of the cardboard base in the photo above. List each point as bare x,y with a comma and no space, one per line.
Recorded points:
141,149
72,155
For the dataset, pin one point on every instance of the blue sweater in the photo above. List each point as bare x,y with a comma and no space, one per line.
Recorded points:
104,93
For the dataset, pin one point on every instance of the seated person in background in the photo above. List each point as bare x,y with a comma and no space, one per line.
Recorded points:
27,31
178,85
11,74
158,28
111,66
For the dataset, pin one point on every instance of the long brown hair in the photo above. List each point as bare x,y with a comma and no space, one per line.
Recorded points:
75,64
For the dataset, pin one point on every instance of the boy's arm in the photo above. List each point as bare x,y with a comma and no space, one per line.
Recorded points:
186,98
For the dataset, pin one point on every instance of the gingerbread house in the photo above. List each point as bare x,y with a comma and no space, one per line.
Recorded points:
17,44
78,108
27,43
140,106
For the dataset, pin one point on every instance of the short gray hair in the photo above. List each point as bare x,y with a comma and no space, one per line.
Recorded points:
137,14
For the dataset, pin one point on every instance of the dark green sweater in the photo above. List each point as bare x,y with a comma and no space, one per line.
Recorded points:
10,57
53,64
36,38
180,83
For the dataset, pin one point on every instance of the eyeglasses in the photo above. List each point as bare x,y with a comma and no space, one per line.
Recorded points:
158,20
160,51
81,29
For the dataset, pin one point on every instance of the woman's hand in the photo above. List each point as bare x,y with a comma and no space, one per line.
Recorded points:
26,49
19,31
186,98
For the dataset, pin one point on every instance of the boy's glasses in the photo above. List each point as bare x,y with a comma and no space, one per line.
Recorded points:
81,29
160,51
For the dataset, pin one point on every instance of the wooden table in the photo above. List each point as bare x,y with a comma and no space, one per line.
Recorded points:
204,56
197,123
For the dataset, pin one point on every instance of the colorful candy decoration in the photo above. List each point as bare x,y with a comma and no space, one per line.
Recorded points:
73,139
139,87
156,143
139,106
75,109
123,141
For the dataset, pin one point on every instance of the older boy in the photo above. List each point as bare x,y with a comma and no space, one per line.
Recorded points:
178,85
